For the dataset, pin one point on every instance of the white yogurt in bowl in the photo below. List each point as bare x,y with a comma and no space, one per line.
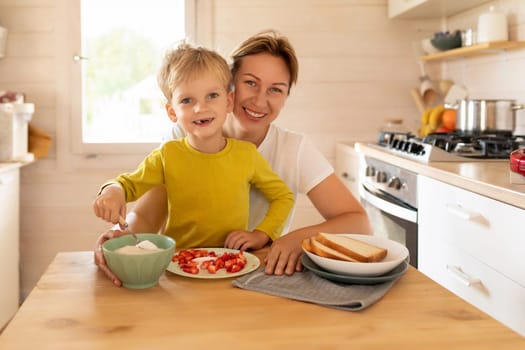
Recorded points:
143,247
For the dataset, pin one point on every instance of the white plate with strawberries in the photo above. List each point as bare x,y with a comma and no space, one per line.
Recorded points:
212,263
355,254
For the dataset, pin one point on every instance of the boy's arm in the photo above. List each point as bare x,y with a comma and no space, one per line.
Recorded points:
149,174
278,194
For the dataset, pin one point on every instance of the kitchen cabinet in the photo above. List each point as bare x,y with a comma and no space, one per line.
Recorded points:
347,165
421,9
472,245
9,244
475,50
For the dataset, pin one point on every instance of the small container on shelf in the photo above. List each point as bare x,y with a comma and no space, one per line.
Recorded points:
14,119
468,37
492,26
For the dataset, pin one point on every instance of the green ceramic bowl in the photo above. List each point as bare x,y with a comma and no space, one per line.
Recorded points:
142,270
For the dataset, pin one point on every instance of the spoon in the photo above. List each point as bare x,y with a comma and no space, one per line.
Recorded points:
124,225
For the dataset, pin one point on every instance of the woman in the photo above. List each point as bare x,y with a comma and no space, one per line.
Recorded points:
264,69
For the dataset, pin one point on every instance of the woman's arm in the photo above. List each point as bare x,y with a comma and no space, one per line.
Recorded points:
150,212
342,213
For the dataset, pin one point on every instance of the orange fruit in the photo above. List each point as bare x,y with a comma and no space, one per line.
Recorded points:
444,130
448,119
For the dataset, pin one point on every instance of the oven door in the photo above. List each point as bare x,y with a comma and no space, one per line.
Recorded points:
391,218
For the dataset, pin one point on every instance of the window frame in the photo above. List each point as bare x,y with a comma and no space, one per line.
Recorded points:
94,150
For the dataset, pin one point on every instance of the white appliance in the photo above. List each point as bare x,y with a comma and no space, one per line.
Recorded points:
9,243
14,119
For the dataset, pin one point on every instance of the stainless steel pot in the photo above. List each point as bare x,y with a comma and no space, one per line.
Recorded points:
476,116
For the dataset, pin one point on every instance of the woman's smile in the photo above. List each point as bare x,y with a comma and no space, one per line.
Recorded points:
253,113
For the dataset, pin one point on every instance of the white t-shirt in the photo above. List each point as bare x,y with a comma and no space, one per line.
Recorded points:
291,155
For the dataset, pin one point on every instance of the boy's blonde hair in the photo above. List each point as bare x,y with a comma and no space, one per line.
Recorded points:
269,41
187,61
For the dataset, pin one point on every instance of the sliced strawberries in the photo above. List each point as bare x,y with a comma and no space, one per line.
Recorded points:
231,262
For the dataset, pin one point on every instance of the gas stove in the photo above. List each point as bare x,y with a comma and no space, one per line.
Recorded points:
451,147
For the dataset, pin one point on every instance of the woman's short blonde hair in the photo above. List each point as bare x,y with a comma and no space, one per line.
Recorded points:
269,41
187,61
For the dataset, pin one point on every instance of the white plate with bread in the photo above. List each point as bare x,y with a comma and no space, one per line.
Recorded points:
355,254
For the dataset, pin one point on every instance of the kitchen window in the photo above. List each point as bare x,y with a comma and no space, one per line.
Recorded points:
117,106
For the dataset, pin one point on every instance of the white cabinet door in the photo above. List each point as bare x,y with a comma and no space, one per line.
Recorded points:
419,9
9,244
485,228
347,163
472,245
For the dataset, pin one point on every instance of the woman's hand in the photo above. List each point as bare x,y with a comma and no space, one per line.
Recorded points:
284,256
244,240
342,213
100,261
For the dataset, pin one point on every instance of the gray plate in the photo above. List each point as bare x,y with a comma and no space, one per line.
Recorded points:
349,279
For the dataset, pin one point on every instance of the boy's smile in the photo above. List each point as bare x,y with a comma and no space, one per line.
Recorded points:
203,121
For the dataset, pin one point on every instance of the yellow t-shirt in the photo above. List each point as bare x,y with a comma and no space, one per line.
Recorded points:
208,194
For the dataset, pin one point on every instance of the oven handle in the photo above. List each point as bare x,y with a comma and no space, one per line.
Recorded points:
380,202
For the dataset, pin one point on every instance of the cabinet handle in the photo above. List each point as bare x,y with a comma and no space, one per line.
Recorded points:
461,276
348,176
77,58
460,212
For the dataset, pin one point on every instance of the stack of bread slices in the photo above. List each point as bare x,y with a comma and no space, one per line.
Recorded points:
340,247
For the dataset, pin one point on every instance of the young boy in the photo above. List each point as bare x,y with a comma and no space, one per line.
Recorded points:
207,176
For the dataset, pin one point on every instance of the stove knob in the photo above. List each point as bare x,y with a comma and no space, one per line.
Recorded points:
381,176
394,183
417,149
413,148
370,170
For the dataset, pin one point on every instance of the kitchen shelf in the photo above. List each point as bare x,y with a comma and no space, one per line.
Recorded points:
474,50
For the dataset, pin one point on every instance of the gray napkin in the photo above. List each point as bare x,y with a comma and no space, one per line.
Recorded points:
306,286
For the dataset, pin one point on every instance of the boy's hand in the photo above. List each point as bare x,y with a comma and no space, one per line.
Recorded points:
110,204
244,240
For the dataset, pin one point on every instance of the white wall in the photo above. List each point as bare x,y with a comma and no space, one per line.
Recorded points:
356,68
497,76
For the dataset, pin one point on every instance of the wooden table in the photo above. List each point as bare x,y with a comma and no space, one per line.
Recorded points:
74,306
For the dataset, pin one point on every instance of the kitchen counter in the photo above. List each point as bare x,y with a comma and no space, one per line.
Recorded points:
6,166
74,306
487,178
9,166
